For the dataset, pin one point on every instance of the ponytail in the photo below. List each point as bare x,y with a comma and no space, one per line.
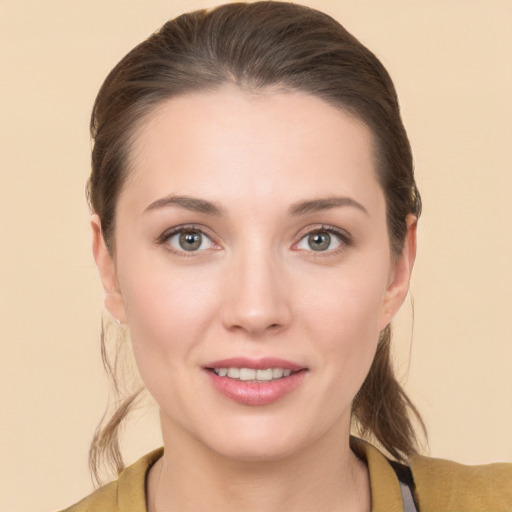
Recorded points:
104,451
381,408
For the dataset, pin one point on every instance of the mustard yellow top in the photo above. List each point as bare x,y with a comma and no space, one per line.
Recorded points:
441,486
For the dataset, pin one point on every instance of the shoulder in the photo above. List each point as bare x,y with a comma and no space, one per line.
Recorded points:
104,498
446,485
126,493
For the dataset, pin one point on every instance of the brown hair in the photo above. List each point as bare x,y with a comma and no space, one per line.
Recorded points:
254,46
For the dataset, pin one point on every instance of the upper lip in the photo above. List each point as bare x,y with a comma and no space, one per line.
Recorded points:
256,364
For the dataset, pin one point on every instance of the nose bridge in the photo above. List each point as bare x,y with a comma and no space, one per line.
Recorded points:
256,299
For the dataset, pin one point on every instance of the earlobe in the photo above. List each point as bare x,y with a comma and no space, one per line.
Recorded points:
107,269
400,277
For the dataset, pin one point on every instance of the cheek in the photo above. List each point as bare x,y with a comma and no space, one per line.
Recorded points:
167,308
346,305
342,320
352,335
169,311
158,294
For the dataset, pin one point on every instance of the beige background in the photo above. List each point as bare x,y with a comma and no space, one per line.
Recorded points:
452,65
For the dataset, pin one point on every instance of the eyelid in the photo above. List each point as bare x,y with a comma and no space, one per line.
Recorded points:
344,236
169,233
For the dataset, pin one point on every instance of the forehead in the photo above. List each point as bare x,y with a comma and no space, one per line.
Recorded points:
235,142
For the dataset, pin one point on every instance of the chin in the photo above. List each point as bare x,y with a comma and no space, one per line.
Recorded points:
256,448
261,439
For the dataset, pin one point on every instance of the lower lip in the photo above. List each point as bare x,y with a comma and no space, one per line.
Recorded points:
256,393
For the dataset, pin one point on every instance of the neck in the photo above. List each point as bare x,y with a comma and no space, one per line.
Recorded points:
323,477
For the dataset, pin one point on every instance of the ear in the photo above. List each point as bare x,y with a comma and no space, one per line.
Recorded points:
107,270
400,274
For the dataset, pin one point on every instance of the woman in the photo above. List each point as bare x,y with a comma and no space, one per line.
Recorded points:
254,227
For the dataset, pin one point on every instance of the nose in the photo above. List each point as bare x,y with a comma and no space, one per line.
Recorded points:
257,301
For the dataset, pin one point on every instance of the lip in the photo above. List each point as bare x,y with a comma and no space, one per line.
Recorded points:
255,364
251,392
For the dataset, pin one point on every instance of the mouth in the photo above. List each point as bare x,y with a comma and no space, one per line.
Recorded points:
251,374
255,382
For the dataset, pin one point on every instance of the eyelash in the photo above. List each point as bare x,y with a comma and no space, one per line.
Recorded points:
344,238
164,238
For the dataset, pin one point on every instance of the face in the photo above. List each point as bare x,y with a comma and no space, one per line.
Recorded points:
252,267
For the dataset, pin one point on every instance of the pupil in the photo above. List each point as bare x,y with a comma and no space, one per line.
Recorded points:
190,241
319,241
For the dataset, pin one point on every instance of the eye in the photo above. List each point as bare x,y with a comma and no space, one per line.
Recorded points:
189,240
322,240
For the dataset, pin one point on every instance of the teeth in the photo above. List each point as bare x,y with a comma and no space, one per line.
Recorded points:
277,373
233,373
264,374
245,374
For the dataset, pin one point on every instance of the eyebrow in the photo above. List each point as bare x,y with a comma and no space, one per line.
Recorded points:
210,208
188,203
316,205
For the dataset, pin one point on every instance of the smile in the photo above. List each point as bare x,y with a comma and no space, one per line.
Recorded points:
261,381
250,374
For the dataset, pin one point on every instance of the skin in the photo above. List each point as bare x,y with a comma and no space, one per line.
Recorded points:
255,288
